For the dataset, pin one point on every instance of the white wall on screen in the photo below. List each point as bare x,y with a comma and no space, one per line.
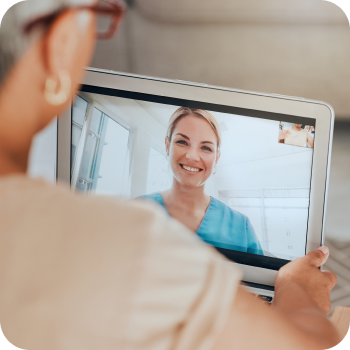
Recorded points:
159,177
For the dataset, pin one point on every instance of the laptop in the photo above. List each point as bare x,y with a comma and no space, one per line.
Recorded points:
267,190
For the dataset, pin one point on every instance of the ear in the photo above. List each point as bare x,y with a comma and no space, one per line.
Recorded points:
69,45
167,145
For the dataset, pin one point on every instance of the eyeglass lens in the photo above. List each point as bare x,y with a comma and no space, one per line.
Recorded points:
104,23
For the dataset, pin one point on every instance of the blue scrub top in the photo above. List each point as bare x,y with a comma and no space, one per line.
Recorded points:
223,227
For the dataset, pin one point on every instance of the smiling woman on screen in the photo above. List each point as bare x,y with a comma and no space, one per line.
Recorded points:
193,147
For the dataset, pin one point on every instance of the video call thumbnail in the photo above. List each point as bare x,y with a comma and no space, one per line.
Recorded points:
252,175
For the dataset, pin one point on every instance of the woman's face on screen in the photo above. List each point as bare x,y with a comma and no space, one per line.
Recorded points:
192,151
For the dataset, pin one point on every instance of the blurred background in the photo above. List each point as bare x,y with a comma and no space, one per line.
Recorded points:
289,47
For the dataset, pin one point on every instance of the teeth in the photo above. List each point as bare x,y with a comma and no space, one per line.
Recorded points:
190,169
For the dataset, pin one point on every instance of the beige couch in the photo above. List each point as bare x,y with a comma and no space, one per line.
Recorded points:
292,47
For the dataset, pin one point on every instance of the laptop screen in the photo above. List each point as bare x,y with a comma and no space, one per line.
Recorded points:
239,178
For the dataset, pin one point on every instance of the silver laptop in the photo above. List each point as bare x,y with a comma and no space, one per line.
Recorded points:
268,192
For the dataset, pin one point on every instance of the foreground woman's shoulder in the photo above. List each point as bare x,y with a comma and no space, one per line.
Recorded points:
39,209
98,255
37,202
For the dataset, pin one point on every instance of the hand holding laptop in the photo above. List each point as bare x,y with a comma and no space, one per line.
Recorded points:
301,301
304,273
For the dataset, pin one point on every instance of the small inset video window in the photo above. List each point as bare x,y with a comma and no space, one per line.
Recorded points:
296,134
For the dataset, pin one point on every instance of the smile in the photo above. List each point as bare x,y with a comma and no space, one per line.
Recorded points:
192,170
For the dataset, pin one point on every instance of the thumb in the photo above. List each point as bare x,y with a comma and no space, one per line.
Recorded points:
318,256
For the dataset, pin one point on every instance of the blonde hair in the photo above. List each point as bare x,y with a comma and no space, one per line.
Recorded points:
201,113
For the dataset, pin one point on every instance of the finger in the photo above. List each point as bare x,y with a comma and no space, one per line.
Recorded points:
332,278
318,256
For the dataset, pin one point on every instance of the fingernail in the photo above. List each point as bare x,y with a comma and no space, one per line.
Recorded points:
324,250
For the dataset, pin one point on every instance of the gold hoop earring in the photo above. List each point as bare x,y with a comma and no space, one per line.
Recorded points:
58,98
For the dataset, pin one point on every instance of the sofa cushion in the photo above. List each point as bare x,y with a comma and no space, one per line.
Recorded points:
271,11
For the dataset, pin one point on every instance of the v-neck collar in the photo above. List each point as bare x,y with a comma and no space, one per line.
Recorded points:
205,214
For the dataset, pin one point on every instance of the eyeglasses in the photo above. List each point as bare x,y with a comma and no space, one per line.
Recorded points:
109,14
